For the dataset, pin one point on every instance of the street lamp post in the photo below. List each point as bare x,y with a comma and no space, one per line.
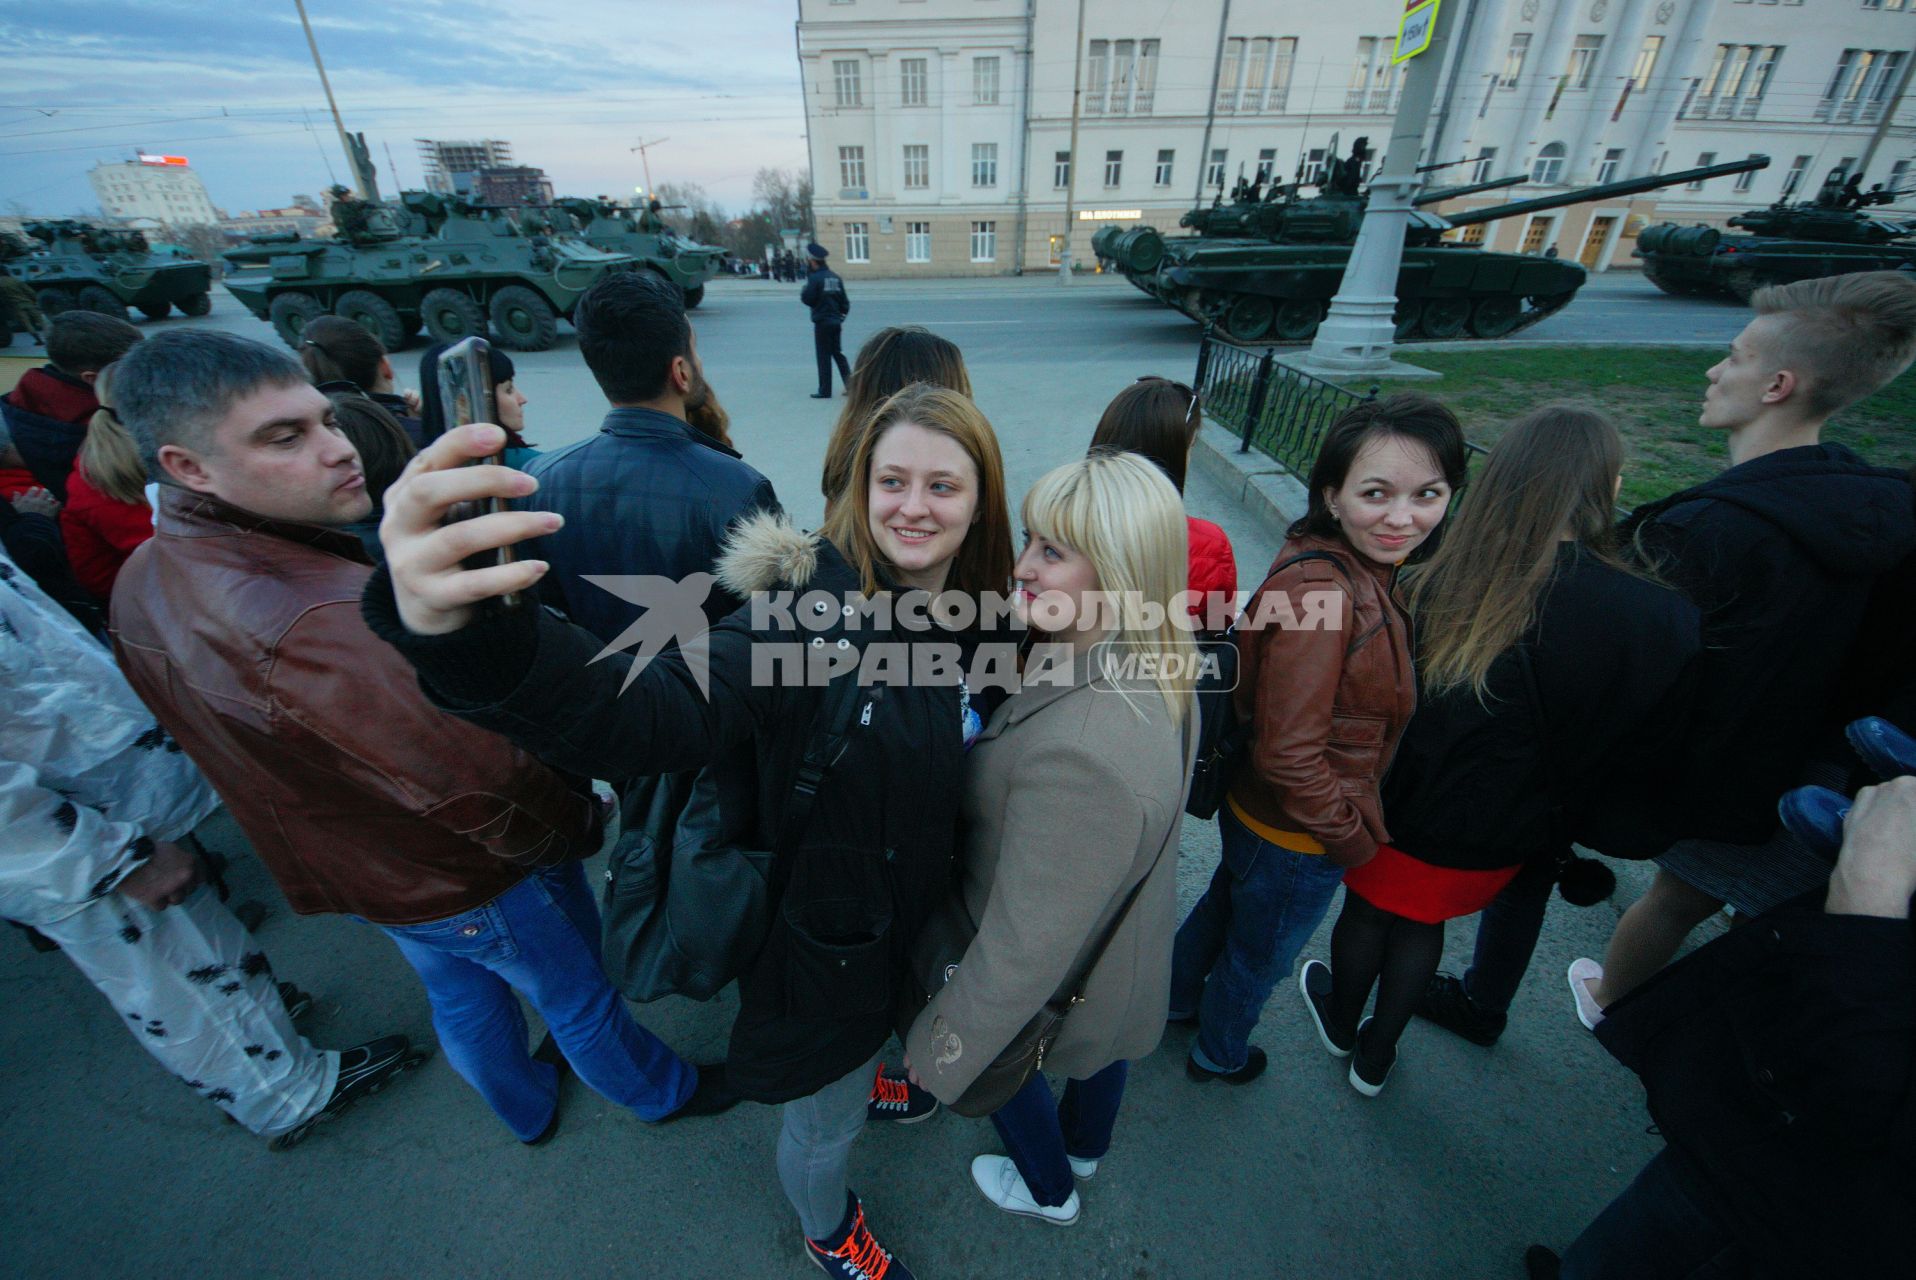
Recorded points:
1071,165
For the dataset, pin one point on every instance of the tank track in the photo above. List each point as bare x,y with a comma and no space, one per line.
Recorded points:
1533,314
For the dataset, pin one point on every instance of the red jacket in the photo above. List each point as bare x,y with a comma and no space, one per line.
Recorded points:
100,533
1213,568
53,394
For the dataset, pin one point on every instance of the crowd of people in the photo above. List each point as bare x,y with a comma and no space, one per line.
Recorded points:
235,577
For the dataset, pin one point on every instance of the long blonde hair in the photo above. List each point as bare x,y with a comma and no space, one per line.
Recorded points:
983,562
109,456
1553,475
1124,515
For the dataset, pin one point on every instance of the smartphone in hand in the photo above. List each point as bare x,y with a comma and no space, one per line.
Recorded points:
466,396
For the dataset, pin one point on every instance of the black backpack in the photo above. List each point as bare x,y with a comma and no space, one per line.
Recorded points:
1223,739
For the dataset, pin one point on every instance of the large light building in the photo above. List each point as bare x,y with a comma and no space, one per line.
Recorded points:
940,130
163,189
451,166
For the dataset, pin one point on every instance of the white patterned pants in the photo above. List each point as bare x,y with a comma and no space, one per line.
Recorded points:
195,989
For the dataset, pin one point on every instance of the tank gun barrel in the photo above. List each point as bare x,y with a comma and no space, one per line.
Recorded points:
1605,191
1440,194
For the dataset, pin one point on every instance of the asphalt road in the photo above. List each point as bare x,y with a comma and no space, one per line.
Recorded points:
1468,1156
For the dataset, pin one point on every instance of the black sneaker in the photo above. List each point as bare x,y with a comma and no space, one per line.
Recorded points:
1447,1004
298,1003
1253,1068
852,1254
1315,984
1367,1073
710,1096
363,1071
897,1099
1541,1263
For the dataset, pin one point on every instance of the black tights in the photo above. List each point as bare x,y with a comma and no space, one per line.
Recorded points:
1370,945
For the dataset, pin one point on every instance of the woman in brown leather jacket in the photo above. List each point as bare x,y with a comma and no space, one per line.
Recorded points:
1326,684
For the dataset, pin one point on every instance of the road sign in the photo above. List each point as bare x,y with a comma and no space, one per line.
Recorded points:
1413,35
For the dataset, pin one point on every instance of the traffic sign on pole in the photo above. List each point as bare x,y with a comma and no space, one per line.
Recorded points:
1413,34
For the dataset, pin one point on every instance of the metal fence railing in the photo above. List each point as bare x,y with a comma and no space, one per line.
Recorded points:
1275,409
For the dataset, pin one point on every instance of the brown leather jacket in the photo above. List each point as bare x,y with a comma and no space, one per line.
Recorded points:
244,637
1326,707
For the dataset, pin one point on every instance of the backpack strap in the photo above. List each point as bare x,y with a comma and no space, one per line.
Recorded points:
832,730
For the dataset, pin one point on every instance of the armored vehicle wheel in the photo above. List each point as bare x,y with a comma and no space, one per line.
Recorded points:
694,296
290,313
1409,312
450,315
196,305
54,301
1248,317
523,320
156,310
1495,315
95,298
1297,319
1445,317
373,314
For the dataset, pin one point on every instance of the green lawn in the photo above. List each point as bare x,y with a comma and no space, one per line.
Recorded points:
1652,394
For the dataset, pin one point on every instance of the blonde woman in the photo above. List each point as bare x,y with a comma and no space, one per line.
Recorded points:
106,514
1073,795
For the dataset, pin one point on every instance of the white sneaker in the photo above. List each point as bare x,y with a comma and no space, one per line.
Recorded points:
1584,972
1004,1186
1083,1170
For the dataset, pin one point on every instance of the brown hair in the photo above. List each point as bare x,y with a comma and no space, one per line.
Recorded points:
1553,475
1409,415
704,412
984,560
891,360
1155,418
335,349
1844,336
110,456
384,447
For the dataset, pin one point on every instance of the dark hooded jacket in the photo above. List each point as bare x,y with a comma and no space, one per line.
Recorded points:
1781,554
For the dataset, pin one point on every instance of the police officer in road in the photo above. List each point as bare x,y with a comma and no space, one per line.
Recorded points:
824,293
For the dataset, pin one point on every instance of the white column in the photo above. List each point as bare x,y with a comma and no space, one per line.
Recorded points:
1481,56
1544,69
955,179
1620,47
1684,62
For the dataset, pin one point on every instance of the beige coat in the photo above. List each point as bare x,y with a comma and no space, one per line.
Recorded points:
1070,794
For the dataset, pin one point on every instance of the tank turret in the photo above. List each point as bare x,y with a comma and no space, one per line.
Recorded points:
642,234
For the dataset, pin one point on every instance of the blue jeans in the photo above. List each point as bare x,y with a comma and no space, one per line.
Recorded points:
1039,1133
1243,936
1656,1230
540,937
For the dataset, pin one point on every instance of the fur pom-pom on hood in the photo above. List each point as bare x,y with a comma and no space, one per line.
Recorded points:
766,551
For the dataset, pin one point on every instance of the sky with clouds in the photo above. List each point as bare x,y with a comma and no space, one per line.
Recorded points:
572,84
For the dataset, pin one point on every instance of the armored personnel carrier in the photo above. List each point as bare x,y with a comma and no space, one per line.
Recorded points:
644,235
428,260
1265,267
1828,235
79,265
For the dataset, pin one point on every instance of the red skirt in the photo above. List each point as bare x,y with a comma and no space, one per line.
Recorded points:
1396,882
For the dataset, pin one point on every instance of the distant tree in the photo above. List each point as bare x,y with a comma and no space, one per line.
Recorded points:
785,196
203,240
749,236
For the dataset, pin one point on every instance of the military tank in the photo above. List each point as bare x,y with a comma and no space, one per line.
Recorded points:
644,235
73,265
1265,267
1827,235
428,260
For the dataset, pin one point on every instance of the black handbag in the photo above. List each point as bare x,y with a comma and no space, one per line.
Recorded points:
689,918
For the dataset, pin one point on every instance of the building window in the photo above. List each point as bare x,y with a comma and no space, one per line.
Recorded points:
845,81
1612,160
1703,161
1123,54
1794,178
1898,174
1748,176
1480,170
1646,63
1113,167
1583,61
1147,78
1061,169
1283,58
1513,60
1214,174
911,82
1162,176
1373,75
1097,67
1861,87
984,242
1228,73
984,164
984,82
917,242
858,242
1257,71
851,167
1266,163
918,166
1548,170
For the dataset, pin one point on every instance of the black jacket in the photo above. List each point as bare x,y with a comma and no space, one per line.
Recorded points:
824,293
1780,553
881,846
1779,1062
1482,784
